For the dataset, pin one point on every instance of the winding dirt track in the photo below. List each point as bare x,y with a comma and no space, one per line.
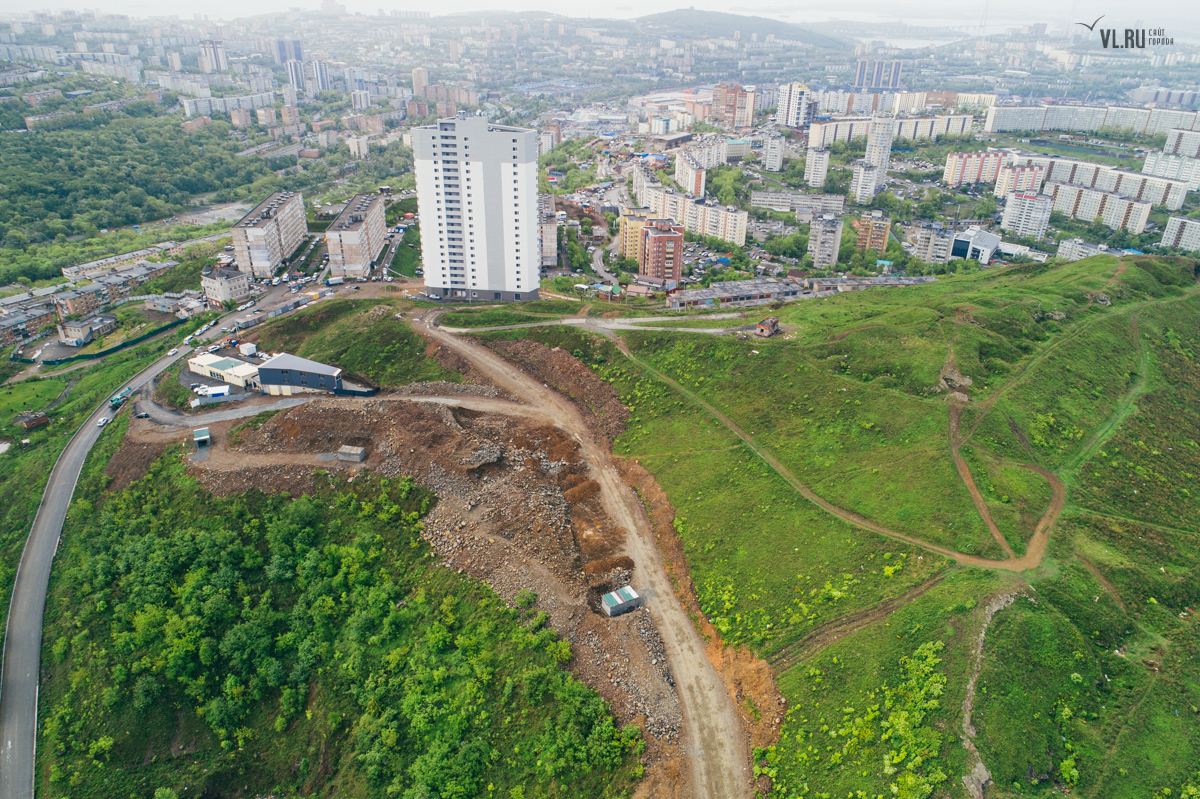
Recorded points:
715,741
1033,552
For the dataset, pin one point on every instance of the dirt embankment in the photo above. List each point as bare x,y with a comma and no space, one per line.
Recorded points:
599,402
515,509
750,681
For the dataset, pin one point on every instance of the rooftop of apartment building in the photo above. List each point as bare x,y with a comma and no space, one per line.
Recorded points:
354,215
267,209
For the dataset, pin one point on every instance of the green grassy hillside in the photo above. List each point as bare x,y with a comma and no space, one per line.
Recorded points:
834,489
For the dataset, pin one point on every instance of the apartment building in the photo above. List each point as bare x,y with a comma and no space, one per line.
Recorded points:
194,106
212,56
240,117
693,162
878,74
879,148
1173,167
873,231
221,285
1183,142
795,106
1019,177
824,241
816,167
823,134
477,191
1027,214
1087,119
914,128
772,153
661,252
698,216
1088,205
357,237
982,167
733,105
863,181
632,222
548,231
270,233
1182,233
932,243
1132,185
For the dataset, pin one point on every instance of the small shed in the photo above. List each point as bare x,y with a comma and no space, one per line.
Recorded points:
31,419
247,349
620,601
353,454
200,437
767,327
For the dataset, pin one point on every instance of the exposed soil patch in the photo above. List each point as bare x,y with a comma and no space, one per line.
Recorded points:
750,681
130,463
598,400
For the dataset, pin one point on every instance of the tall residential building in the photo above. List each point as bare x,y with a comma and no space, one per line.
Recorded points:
289,115
879,147
240,117
878,74
863,181
357,237
420,77
1019,177
661,253
265,116
285,50
824,240
1185,143
295,71
360,146
212,56
979,167
174,61
477,192
772,153
873,231
933,242
1182,233
795,108
320,73
1027,214
270,233
733,105
632,222
1174,167
816,167
360,100
1088,205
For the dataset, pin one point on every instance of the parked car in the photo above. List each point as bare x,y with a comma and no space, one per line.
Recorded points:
142,415
103,421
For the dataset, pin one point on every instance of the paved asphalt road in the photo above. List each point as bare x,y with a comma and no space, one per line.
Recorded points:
23,633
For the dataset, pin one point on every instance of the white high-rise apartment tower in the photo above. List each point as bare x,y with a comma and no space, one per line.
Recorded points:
1027,214
879,146
477,194
816,167
793,107
295,71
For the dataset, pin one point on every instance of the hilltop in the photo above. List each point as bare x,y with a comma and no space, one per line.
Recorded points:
691,23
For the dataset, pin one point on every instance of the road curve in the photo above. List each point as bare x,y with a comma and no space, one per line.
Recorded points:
715,740
23,630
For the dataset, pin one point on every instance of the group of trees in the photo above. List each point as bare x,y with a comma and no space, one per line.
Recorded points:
234,608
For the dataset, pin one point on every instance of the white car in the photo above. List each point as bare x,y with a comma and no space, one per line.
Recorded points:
103,421
172,352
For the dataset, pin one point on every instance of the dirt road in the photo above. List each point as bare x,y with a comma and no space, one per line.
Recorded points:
714,735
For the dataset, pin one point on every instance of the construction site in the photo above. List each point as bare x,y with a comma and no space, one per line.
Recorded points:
530,502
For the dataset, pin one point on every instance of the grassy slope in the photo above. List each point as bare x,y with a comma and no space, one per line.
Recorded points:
347,333
857,418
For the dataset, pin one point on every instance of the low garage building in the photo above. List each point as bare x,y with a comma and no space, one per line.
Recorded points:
227,370
620,601
286,374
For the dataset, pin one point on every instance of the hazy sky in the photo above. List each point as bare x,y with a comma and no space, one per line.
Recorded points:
1179,17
